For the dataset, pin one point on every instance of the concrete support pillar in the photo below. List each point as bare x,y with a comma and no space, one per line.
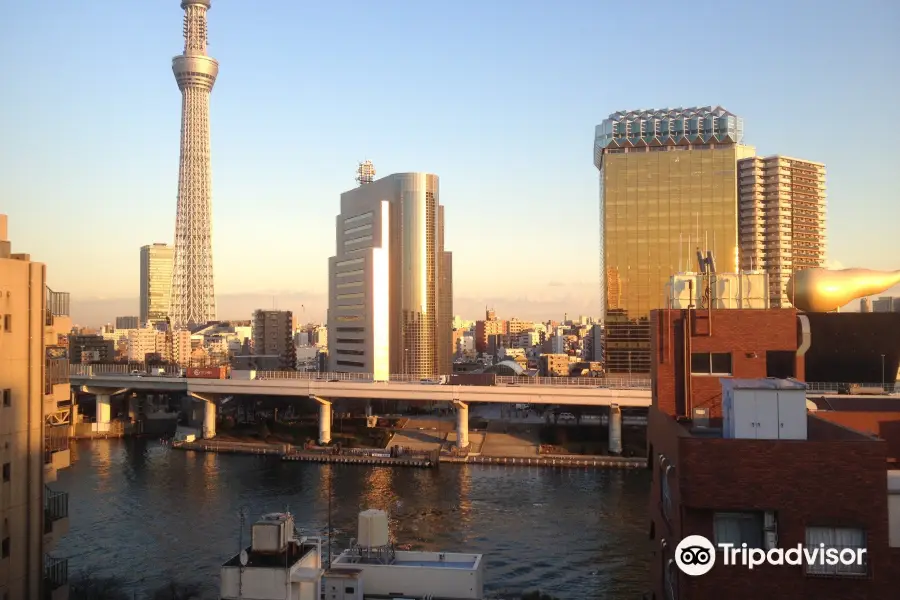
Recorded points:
103,408
324,423
615,429
368,408
132,406
209,420
462,425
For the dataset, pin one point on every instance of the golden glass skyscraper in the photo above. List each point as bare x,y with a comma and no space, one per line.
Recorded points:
668,185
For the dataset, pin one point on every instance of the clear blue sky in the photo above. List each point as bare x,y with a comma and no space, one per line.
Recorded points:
498,98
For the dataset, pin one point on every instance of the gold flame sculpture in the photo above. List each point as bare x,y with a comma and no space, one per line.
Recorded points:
824,290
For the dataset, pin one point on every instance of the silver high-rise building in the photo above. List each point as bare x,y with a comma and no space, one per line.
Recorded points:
390,302
193,290
156,283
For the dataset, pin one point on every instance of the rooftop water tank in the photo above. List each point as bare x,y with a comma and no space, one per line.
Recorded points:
272,533
373,529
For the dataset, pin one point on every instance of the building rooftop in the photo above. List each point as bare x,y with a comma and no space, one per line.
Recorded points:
431,560
259,560
698,124
818,430
856,403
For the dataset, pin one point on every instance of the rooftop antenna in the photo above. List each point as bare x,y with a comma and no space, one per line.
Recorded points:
242,556
365,172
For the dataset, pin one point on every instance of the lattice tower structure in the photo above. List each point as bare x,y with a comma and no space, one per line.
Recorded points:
193,289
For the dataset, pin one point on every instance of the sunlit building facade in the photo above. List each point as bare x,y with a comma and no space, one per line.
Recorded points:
390,307
668,185
782,219
157,261
35,416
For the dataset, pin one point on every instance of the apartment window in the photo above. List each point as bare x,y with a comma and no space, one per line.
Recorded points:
350,284
351,306
7,397
348,263
4,548
6,472
7,323
365,227
359,240
711,363
350,273
780,363
350,341
739,528
358,218
351,352
350,296
349,363
351,329
849,541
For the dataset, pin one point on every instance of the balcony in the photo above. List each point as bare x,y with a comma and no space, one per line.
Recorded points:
56,516
56,578
56,373
56,451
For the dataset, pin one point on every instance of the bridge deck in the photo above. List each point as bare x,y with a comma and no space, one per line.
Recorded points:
575,395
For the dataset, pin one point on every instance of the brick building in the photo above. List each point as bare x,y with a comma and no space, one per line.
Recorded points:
767,492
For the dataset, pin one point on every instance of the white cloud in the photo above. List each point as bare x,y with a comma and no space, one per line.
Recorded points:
834,264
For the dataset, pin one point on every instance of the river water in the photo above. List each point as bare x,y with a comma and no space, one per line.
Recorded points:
147,514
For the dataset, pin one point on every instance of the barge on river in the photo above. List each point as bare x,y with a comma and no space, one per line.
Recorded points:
281,564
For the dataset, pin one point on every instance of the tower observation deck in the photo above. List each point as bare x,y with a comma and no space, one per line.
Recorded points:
193,289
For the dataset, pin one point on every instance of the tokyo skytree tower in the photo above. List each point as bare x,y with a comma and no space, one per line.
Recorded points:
193,290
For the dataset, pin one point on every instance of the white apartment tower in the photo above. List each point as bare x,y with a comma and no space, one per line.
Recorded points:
390,307
782,205
157,261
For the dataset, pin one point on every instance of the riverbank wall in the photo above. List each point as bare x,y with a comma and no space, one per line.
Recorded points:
375,457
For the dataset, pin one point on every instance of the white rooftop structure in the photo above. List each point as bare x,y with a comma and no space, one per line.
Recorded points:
280,565
764,409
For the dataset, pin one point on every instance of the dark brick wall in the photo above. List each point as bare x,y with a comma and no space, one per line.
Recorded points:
747,334
837,481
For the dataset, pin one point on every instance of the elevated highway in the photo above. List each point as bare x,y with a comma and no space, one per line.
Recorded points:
324,390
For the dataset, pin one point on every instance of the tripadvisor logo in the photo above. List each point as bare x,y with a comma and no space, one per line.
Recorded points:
696,555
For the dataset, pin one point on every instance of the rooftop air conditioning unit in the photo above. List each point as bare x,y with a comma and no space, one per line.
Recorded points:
701,417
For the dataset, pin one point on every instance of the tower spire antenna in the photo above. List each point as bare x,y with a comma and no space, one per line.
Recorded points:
193,288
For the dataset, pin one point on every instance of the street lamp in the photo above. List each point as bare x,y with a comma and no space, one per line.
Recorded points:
883,387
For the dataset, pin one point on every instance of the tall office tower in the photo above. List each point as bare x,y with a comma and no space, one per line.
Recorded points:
273,335
157,262
35,411
193,289
390,282
668,185
782,219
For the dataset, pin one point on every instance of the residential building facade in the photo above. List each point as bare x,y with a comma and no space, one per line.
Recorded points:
782,219
390,306
668,184
157,261
35,416
273,336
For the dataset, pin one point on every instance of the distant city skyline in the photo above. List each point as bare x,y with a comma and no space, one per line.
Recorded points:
109,172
